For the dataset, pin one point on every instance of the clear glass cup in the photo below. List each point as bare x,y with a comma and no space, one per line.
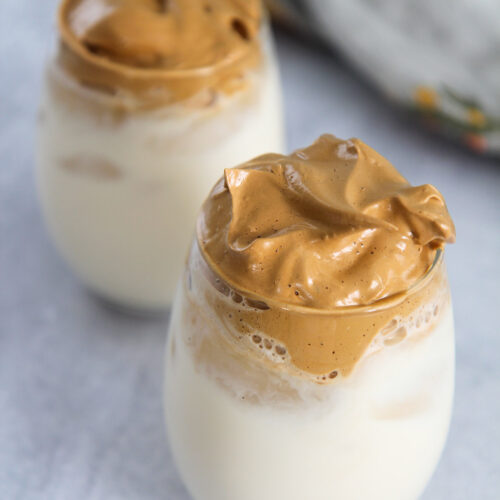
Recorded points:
242,424
120,180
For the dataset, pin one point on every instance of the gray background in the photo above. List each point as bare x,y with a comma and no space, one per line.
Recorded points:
80,385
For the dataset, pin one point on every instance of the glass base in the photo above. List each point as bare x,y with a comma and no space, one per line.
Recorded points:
129,310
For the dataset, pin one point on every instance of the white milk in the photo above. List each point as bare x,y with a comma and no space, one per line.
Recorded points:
238,431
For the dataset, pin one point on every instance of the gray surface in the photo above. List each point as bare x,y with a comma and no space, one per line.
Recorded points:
80,385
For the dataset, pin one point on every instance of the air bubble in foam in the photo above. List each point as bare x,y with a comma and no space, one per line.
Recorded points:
327,377
396,337
399,329
280,350
390,326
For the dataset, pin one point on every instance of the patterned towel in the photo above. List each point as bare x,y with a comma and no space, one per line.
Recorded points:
438,58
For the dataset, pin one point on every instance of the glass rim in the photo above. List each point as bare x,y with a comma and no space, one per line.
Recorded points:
69,39
378,305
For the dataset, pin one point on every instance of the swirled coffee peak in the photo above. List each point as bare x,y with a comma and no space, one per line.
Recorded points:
331,225
138,44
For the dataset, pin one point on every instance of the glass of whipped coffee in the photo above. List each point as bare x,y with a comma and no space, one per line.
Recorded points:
144,102
311,346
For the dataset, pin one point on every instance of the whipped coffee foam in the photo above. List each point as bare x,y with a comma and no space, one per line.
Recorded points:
308,238
160,51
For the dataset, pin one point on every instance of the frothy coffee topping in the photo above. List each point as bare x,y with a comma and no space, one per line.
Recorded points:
331,225
171,48
316,258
